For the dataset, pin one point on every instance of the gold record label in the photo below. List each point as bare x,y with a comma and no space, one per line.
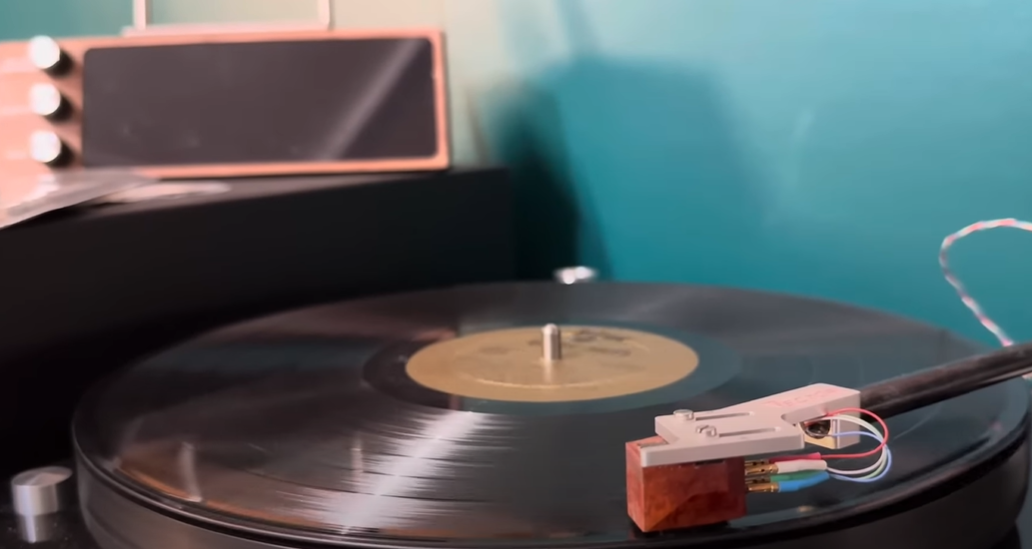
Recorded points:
509,365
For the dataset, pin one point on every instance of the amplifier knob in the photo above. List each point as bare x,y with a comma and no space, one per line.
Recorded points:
46,54
47,101
46,147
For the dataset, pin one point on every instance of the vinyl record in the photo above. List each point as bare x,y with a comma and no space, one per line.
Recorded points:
430,419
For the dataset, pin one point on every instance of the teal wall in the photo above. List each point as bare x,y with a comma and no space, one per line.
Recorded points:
822,147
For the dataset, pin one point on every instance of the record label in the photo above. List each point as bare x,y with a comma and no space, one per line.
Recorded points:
508,365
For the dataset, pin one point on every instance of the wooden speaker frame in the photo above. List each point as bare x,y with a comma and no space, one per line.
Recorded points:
17,121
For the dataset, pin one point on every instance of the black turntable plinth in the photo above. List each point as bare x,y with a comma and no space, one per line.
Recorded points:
419,420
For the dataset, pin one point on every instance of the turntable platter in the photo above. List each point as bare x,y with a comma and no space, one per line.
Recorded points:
423,419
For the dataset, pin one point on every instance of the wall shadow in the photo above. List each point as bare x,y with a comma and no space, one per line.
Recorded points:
615,161
524,131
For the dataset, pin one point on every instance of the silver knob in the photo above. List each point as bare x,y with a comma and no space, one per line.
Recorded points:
46,54
575,275
46,147
41,491
48,101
